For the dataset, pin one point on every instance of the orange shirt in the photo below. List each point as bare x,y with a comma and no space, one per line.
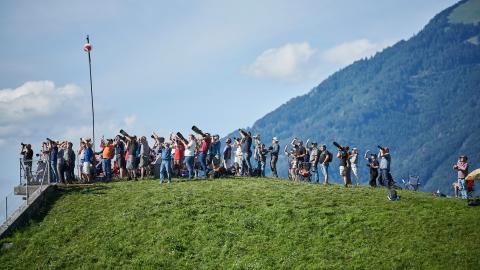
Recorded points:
108,151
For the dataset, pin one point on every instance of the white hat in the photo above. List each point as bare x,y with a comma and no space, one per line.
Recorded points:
275,139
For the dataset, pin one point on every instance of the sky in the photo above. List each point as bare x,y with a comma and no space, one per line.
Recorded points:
166,65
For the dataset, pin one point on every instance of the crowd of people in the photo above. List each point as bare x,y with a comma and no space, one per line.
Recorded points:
201,155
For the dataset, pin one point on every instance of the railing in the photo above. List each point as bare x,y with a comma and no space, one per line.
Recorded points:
33,176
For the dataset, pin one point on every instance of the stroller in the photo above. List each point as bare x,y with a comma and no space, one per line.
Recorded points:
412,183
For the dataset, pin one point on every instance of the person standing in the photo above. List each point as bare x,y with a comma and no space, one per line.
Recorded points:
69,157
462,171
190,154
27,154
324,159
202,153
166,166
238,157
227,154
385,160
52,156
342,156
144,155
274,150
353,163
246,144
107,154
120,155
88,157
373,165
131,162
313,159
262,158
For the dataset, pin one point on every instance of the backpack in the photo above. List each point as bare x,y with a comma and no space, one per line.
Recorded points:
328,159
392,195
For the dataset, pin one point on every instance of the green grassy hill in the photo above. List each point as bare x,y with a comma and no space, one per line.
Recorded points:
245,224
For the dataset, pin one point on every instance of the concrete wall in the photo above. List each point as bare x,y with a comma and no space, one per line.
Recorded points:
26,212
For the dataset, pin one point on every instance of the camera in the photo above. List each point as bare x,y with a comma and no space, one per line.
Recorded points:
380,147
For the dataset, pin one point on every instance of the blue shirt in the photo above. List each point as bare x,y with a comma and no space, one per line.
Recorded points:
166,153
214,148
88,154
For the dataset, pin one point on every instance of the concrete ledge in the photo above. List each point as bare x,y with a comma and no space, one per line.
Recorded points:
22,215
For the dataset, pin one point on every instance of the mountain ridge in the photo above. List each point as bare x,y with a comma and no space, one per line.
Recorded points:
415,96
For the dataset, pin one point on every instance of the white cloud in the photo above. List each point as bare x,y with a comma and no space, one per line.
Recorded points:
34,100
38,109
348,52
285,62
295,61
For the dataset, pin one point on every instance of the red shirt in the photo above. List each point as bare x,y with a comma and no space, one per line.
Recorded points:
179,152
204,145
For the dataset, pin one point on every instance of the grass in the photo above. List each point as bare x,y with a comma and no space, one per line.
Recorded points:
245,224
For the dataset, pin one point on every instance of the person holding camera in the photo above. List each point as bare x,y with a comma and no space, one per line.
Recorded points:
227,154
385,161
246,144
119,147
274,149
144,155
166,165
27,154
203,151
353,158
373,165
190,154
462,171
313,159
342,156
88,161
324,159
108,150
132,157
69,159
52,151
214,151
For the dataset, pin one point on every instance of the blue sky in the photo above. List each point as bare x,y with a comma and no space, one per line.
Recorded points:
165,65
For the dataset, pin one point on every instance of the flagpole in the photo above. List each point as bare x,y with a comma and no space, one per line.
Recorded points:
88,48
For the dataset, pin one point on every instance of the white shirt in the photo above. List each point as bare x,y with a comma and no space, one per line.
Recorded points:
190,150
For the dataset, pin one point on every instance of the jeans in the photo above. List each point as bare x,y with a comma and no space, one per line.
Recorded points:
53,172
246,157
166,167
202,157
107,168
384,176
273,165
189,162
314,172
463,188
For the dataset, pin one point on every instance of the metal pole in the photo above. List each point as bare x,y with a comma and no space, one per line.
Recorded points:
91,95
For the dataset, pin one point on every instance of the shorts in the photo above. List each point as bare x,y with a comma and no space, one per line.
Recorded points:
131,163
143,161
86,167
121,161
343,171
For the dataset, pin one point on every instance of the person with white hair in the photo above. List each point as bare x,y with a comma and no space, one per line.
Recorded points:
353,163
274,150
